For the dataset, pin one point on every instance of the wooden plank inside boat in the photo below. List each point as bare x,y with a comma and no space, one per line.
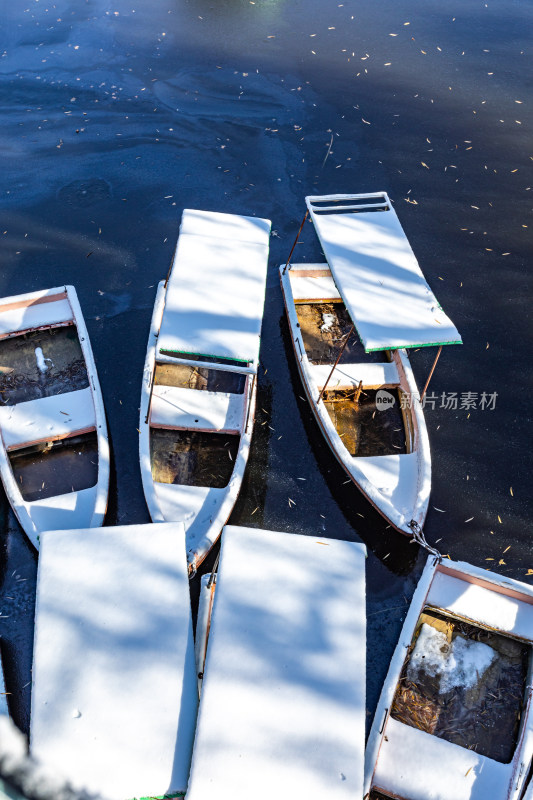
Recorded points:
479,705
365,430
53,468
192,458
210,380
41,364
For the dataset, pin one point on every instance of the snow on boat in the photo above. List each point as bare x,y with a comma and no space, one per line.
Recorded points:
282,709
454,718
350,321
54,452
200,375
114,694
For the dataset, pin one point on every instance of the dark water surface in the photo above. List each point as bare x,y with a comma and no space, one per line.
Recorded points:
117,116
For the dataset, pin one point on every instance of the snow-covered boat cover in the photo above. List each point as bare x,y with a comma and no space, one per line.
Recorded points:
216,291
377,274
114,695
282,713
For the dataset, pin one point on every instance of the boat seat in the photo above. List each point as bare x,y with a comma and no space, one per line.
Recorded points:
456,773
47,418
21,314
485,606
348,375
193,409
311,288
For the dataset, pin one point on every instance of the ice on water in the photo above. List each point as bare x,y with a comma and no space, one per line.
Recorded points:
459,663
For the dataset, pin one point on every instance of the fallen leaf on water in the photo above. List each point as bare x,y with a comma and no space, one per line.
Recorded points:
439,509
500,562
469,519
511,490
507,548
529,572
499,519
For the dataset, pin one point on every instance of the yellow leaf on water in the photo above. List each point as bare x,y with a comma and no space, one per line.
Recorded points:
507,548
499,519
529,572
500,562
511,490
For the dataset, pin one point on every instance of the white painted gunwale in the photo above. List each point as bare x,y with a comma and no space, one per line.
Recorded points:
198,550
519,766
420,443
21,508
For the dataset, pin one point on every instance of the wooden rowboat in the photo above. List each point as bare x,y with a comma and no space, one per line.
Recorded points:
350,321
200,374
454,718
282,709
54,451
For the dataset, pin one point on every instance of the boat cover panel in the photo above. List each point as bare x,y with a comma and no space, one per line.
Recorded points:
216,291
416,765
282,712
56,416
485,606
114,695
379,278
177,407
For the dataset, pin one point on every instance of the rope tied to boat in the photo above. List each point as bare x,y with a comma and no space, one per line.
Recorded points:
419,538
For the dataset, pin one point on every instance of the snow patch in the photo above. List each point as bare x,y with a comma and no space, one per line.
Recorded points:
329,321
459,663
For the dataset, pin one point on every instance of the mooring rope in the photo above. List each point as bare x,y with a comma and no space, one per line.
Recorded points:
419,538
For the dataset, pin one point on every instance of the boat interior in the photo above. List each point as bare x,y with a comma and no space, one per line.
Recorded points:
41,364
47,412
196,418
56,467
482,714
350,395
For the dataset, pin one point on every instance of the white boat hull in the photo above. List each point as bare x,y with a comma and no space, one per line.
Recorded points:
398,486
403,761
53,418
203,510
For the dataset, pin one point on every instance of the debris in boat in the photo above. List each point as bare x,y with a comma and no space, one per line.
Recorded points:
329,321
41,360
459,663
